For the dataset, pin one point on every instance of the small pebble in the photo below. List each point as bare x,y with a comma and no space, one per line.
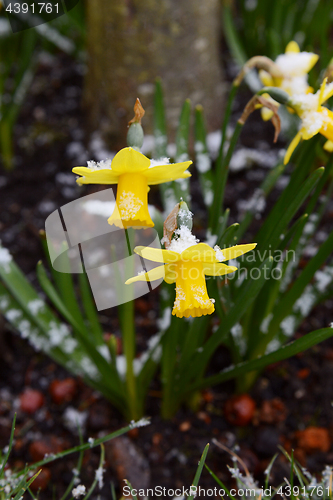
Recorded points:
62,390
31,400
239,410
313,439
185,426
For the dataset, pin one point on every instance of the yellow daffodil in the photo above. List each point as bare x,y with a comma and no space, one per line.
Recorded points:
294,66
186,263
133,172
316,119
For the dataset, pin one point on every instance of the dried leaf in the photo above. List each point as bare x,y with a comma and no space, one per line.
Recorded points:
329,72
258,101
138,112
170,225
259,62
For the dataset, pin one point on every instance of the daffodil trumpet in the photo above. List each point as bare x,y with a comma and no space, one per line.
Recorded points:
186,262
315,118
134,173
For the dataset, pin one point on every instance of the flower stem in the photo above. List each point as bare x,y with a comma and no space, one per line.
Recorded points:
128,331
170,397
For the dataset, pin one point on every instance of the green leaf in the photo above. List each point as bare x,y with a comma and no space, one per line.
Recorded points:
265,188
228,238
132,489
160,130
286,303
183,132
271,237
285,352
82,447
10,445
222,169
108,372
219,482
94,484
32,330
24,485
198,472
55,298
90,309
248,292
202,158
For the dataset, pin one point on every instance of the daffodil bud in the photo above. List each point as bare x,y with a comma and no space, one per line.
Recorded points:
135,133
112,344
135,136
277,94
184,216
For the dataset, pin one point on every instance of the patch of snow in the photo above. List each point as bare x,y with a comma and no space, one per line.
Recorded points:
79,491
183,239
219,254
305,303
35,306
237,333
99,477
247,157
256,204
140,423
164,322
121,366
288,325
73,418
265,323
5,258
214,143
323,279
13,314
158,162
210,238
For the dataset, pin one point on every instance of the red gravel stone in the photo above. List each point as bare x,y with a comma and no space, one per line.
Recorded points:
31,400
313,439
239,410
62,391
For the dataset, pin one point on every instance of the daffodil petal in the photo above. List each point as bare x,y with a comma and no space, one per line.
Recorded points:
314,58
170,273
237,250
266,114
328,146
328,92
200,252
327,128
152,275
292,146
128,160
154,180
292,47
102,176
266,78
157,254
217,269
322,93
167,173
307,133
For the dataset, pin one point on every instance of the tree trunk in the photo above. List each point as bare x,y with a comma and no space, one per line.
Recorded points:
132,42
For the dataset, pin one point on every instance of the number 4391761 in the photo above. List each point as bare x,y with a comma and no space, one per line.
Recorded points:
312,491
38,8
